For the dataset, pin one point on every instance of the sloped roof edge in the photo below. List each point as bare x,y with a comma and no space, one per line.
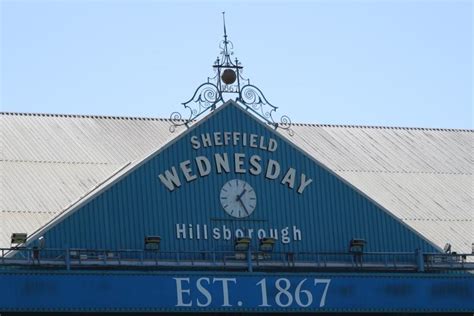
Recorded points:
126,169
144,118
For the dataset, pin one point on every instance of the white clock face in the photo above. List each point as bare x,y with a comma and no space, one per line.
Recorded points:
238,198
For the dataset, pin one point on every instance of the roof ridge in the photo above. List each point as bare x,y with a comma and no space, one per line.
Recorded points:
62,162
143,118
384,127
114,117
405,172
28,212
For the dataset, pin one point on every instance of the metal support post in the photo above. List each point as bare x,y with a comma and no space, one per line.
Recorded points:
68,259
249,259
419,260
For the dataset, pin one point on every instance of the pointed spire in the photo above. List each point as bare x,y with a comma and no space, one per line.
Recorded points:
225,31
226,42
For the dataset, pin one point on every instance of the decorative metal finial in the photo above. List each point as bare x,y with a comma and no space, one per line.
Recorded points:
228,80
223,21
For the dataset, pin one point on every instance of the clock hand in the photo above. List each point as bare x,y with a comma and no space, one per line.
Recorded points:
243,205
241,194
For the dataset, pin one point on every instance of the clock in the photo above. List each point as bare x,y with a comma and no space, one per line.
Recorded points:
238,198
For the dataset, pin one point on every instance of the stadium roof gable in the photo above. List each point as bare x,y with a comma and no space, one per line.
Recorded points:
422,176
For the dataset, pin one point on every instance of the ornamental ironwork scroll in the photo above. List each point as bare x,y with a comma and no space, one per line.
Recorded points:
205,98
228,79
254,100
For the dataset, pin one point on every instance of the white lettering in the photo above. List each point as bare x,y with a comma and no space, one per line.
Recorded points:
239,162
296,233
190,229
262,143
204,166
181,231
195,142
222,163
206,140
180,291
256,168
284,235
170,179
187,170
304,183
225,289
204,292
253,140
236,136
217,139
200,231
283,292
216,233
274,233
226,138
226,232
250,232
289,178
233,138
273,169
272,145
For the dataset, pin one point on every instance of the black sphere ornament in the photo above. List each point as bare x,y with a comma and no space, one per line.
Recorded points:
228,76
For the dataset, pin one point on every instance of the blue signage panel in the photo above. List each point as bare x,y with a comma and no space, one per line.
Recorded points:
234,292
226,177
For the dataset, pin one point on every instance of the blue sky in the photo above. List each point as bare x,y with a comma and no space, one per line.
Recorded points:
392,63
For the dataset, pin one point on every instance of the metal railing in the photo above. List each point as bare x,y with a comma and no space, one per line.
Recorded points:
233,260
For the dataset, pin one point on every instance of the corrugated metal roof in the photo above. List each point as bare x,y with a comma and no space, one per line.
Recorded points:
59,184
47,162
422,176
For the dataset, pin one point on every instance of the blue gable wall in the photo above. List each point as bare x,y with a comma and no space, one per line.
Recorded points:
326,215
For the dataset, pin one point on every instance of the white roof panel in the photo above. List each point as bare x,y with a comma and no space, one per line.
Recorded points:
424,177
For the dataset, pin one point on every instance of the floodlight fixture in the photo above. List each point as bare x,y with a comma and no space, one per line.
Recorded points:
242,244
447,248
267,244
18,238
152,242
357,245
